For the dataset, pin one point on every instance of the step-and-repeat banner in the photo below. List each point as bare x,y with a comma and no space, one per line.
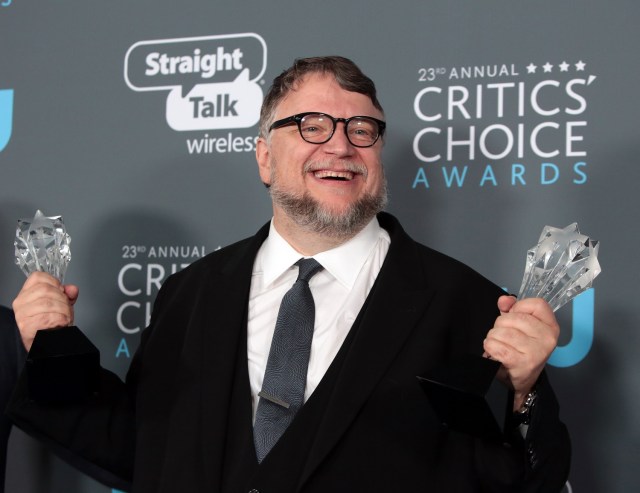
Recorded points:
136,121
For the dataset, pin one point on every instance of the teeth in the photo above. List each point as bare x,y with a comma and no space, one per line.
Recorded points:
342,175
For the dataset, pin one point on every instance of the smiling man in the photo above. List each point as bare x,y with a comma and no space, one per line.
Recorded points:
328,191
287,362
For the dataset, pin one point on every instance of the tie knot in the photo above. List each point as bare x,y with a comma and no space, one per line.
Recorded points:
308,267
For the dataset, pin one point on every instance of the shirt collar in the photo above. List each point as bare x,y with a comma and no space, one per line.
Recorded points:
343,262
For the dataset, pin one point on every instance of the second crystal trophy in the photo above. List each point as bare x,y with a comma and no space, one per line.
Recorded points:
62,363
464,393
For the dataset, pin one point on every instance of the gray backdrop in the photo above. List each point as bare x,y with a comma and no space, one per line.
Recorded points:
502,117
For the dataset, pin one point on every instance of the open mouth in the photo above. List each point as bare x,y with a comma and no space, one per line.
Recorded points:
334,175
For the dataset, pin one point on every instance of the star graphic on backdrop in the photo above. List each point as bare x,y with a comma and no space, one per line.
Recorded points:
580,66
547,67
531,68
564,67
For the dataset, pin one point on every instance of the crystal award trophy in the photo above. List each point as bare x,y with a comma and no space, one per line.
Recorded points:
562,265
62,363
464,393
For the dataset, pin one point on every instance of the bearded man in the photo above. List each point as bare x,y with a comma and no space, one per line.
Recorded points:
243,383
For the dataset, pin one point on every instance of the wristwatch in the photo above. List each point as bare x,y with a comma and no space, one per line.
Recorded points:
523,415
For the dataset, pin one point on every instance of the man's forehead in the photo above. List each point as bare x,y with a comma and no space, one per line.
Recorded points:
316,82
322,85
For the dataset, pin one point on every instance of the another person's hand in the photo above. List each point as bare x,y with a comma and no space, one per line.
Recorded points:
522,339
43,303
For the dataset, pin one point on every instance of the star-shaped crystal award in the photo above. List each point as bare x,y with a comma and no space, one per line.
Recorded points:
42,244
562,265
463,392
62,364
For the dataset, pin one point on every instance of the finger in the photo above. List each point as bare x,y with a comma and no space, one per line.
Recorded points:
523,352
506,302
521,370
43,312
513,337
39,277
536,307
502,351
71,291
35,288
529,324
42,303
523,334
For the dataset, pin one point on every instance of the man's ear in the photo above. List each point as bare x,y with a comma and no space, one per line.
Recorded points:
263,154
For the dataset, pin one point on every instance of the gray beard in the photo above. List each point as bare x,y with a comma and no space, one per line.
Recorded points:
313,217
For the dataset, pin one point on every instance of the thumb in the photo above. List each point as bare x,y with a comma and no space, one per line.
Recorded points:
72,291
506,302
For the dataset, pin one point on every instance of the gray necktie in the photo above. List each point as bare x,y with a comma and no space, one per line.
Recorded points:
285,377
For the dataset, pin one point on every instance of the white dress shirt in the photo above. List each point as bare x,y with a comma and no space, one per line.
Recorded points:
339,291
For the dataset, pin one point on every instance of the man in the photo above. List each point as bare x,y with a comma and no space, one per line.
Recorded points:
386,309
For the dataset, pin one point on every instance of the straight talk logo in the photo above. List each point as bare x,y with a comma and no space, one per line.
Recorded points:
212,83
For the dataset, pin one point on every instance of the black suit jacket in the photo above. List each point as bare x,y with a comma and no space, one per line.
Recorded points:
12,356
179,421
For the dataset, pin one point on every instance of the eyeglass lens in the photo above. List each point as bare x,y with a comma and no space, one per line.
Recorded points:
318,128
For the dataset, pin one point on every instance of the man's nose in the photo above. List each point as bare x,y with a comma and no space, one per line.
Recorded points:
339,144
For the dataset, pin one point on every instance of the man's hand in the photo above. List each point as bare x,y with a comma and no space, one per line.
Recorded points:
522,339
43,303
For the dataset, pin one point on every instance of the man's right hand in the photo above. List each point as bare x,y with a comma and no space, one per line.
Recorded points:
43,303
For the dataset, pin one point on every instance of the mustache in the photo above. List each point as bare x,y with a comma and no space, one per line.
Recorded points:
311,166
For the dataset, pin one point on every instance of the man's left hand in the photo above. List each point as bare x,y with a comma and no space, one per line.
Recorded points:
522,339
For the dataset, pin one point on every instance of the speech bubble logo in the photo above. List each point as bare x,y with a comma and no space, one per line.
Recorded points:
212,80
215,106
6,116
187,62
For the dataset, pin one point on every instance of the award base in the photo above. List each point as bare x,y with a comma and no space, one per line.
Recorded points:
62,365
467,397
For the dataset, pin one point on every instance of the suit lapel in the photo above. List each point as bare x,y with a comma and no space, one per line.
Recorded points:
224,326
396,303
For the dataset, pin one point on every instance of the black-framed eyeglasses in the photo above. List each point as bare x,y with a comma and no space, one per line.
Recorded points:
318,128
